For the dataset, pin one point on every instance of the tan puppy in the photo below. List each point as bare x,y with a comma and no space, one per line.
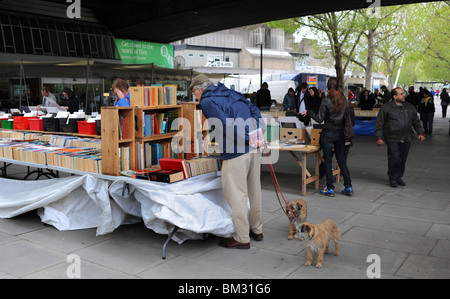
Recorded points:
300,211
318,237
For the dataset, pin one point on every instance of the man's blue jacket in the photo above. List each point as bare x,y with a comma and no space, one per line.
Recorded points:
231,117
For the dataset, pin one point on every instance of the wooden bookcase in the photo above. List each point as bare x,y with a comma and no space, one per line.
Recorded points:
191,113
158,138
111,141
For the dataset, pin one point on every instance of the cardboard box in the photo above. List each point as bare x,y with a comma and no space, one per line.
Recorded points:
291,133
315,136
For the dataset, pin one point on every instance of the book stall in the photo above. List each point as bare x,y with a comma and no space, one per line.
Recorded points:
132,171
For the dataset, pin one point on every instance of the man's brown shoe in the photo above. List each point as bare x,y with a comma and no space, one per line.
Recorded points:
256,237
233,244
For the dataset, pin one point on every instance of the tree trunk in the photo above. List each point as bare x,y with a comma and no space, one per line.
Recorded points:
340,75
369,65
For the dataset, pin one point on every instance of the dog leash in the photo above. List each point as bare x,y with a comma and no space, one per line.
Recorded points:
276,186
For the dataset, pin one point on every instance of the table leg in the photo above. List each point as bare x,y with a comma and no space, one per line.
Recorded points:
317,170
167,241
304,170
300,162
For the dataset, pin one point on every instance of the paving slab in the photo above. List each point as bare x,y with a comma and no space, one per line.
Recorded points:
22,257
432,216
401,242
425,267
407,227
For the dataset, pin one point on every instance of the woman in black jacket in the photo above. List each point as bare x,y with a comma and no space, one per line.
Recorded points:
426,110
334,111
445,101
73,104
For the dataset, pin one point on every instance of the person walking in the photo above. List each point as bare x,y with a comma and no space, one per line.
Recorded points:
394,122
263,97
234,117
426,110
334,111
445,100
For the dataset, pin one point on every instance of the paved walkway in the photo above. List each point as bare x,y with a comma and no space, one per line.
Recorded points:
407,228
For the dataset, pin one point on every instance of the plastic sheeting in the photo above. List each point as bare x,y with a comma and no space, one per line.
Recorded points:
196,205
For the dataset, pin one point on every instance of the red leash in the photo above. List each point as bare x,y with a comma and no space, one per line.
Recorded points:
276,186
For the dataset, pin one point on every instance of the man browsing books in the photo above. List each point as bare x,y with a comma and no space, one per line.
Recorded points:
234,117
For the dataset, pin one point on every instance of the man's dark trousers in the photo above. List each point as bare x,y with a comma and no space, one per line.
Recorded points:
397,155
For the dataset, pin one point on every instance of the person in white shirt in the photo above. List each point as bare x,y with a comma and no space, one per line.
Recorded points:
48,100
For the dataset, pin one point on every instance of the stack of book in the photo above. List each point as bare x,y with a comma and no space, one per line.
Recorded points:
40,152
152,96
193,167
202,165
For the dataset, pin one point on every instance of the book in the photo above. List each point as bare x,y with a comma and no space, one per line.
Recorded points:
166,176
174,164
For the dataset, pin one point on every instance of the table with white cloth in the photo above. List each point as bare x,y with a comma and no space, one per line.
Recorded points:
183,210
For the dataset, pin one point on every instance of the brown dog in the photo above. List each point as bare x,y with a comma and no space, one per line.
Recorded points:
318,237
300,211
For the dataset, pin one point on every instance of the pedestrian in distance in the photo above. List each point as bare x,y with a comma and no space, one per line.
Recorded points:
73,104
48,100
289,100
121,90
366,100
426,110
315,100
386,97
303,103
228,110
335,112
393,128
445,101
263,97
413,97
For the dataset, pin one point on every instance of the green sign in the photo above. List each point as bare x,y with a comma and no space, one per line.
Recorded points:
137,52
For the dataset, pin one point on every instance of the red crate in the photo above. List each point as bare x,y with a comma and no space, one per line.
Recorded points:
86,128
36,124
22,122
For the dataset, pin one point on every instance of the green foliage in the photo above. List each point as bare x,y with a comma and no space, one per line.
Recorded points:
418,33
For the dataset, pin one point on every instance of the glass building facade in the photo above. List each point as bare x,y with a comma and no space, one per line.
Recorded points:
40,35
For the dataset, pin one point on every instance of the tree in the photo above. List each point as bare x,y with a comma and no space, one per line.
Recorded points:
375,31
338,30
428,28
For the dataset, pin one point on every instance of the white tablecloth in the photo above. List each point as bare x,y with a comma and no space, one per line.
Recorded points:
195,205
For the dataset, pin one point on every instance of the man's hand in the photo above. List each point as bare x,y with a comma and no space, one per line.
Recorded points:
304,113
421,137
380,142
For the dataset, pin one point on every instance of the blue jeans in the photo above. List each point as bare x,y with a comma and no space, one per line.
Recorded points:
397,155
328,139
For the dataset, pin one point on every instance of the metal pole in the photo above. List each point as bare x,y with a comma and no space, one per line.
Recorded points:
87,85
261,75
20,91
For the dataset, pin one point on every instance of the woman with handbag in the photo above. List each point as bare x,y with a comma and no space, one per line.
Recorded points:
337,130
